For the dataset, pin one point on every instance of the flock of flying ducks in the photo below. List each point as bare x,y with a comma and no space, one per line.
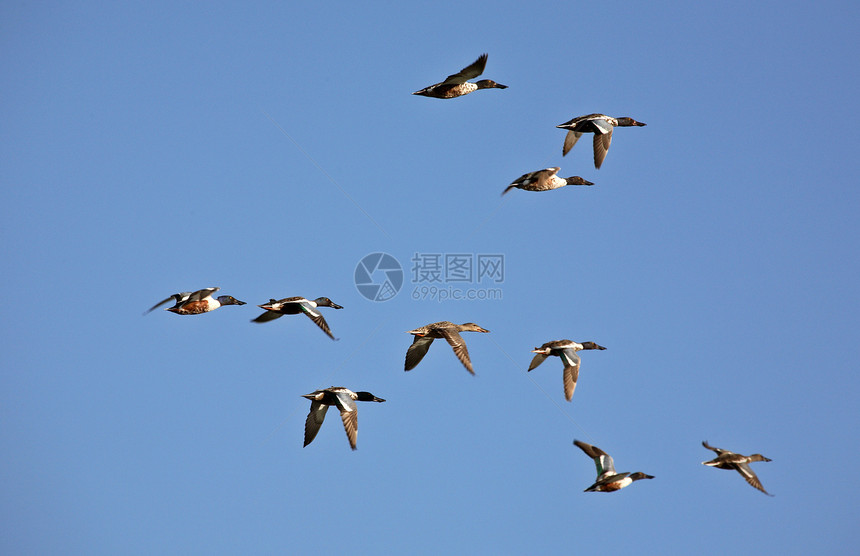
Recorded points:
600,125
456,85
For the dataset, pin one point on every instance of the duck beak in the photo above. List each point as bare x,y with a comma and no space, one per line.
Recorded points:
336,306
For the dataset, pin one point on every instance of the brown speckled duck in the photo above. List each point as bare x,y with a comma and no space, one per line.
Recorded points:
425,335
740,463
544,180
457,85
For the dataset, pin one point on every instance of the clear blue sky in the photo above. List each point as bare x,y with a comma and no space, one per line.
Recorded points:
153,148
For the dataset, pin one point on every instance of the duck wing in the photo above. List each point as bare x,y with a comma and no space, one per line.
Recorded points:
417,351
571,371
532,181
522,181
473,70
569,141
750,476
268,316
317,317
601,144
459,346
607,479
719,451
178,298
508,188
349,416
350,425
314,421
537,360
200,294
602,461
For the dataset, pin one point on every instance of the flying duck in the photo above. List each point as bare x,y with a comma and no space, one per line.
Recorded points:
457,85
425,335
607,479
566,351
295,305
194,303
544,180
738,462
601,126
344,399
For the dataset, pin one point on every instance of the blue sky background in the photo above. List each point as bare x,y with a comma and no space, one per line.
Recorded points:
153,148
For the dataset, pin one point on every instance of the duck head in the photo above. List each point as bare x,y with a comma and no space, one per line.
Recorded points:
367,397
485,84
326,302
